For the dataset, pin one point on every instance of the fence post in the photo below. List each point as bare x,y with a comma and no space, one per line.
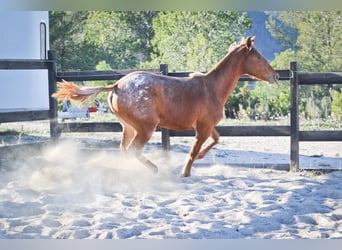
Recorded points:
165,133
52,74
294,153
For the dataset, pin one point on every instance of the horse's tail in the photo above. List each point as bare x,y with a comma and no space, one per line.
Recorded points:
68,90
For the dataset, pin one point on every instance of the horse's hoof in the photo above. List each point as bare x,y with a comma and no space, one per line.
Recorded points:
185,174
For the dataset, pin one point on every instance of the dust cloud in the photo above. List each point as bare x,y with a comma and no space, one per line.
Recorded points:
67,170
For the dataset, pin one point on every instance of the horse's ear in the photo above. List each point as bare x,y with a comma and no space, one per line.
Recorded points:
250,41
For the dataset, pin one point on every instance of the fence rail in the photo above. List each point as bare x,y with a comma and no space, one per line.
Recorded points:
319,78
96,75
25,64
22,64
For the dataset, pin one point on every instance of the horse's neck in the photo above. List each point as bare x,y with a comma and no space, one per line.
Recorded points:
225,75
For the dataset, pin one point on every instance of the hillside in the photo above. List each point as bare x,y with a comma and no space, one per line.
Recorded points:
266,44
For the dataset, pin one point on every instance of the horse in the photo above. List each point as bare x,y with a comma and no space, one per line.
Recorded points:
143,100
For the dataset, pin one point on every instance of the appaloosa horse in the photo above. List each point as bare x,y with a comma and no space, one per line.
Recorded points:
142,100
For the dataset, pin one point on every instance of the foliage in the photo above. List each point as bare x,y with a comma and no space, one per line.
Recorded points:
264,102
284,32
317,48
336,106
82,39
67,39
319,40
103,65
237,101
122,38
194,41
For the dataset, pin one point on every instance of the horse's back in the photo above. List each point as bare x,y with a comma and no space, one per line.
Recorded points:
175,102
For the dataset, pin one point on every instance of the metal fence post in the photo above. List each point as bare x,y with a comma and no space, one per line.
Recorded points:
165,133
294,153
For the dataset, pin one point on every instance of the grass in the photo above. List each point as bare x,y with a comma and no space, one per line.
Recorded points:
318,124
304,124
247,122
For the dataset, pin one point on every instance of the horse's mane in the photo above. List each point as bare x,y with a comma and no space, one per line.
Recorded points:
237,44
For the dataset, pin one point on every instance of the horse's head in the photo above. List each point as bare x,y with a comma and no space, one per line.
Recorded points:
255,64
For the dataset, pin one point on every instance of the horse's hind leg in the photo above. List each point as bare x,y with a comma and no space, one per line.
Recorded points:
215,136
142,136
150,165
127,136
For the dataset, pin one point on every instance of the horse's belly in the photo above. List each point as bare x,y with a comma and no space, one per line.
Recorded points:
178,122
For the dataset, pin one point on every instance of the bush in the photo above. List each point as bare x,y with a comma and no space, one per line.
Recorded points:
336,105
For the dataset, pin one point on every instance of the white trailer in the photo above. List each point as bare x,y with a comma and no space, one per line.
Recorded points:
23,90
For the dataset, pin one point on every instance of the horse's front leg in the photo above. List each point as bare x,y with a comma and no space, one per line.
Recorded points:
200,139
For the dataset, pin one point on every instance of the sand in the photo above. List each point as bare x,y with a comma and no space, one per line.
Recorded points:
234,193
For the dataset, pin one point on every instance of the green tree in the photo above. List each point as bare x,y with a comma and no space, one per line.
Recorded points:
269,101
67,39
103,65
319,49
179,35
239,103
121,38
284,32
198,56
319,40
336,108
82,39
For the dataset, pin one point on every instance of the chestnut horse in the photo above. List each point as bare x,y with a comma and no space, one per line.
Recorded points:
143,100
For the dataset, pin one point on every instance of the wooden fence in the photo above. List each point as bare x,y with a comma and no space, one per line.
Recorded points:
293,74
39,64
